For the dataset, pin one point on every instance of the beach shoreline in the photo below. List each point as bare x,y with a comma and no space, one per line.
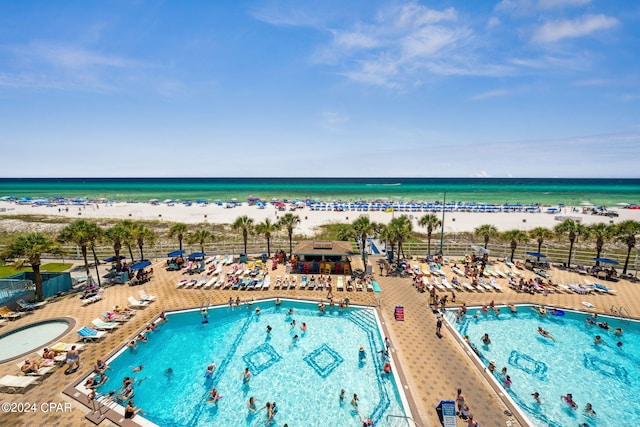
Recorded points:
455,221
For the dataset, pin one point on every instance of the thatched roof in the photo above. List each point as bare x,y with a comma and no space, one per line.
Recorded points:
334,247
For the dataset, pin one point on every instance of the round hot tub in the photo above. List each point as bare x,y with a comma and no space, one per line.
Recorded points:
32,337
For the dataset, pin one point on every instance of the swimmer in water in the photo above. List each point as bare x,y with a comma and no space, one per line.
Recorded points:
210,370
342,393
246,376
168,373
137,368
536,397
545,333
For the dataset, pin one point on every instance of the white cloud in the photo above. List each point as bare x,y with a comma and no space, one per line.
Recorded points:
493,22
491,94
482,174
553,31
71,57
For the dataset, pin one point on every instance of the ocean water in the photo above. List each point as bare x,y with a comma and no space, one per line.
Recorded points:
484,190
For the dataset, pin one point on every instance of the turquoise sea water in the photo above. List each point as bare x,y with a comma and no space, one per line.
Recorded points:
486,190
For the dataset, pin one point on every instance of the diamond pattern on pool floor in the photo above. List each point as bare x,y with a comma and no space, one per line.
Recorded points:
261,358
323,360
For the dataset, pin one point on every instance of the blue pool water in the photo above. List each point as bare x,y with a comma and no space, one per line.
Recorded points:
303,378
605,375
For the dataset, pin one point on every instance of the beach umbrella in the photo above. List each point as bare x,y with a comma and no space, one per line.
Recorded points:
139,265
175,253
196,255
480,249
607,261
536,254
112,258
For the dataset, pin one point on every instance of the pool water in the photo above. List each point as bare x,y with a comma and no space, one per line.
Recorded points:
605,375
30,338
304,378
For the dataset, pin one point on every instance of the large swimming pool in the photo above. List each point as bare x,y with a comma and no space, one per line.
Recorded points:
605,375
304,376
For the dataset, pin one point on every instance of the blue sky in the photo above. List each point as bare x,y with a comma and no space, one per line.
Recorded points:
522,88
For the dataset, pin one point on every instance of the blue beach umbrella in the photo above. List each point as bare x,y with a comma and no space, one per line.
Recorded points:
140,265
606,261
197,255
175,253
113,258
536,254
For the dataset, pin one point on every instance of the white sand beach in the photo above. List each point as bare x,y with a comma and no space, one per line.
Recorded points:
454,221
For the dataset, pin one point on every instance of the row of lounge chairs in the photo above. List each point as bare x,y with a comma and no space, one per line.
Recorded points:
113,319
20,382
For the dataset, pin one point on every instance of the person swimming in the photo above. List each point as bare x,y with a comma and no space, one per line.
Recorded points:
246,376
168,373
361,353
211,368
536,397
545,333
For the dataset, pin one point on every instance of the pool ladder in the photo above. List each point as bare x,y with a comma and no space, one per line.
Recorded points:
620,311
412,422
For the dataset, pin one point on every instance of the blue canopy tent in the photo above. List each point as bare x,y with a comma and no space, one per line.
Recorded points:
175,253
113,258
139,265
197,255
606,261
536,254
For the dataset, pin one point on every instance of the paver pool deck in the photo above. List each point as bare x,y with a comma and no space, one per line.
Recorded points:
432,368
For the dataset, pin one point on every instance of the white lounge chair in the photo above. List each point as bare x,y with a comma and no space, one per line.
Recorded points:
369,287
42,371
145,296
133,303
340,283
266,283
278,283
14,383
101,325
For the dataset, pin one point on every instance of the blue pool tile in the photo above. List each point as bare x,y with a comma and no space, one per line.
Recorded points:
261,358
324,360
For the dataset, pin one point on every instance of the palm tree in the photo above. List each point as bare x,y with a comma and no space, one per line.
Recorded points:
626,232
244,224
267,228
515,237
600,232
82,233
486,231
573,230
178,230
199,236
289,221
400,229
128,236
362,228
387,236
431,222
540,234
117,235
345,232
30,247
143,234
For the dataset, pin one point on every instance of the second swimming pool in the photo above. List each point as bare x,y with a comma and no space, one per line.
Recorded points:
603,374
304,375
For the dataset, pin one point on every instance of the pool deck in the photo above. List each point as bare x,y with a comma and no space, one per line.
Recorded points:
432,368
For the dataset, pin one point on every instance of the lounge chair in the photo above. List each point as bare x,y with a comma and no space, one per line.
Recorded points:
340,283
495,284
27,306
145,296
9,314
41,372
90,334
266,283
278,282
359,286
210,283
14,383
303,282
101,325
133,303
446,284
604,289
369,287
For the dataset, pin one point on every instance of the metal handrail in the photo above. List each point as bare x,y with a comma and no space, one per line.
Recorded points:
405,418
620,311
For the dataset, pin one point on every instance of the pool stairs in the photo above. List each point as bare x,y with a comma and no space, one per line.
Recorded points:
399,313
